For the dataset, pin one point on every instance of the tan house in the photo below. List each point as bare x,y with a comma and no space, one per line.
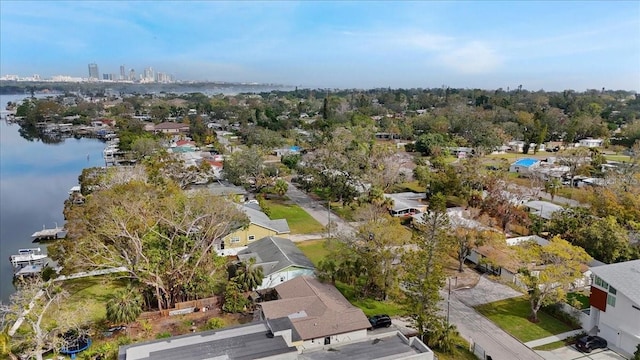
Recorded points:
171,128
260,226
313,314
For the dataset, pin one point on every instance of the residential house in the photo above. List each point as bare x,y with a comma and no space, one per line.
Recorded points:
461,152
260,226
171,128
407,203
544,209
256,341
501,261
524,166
615,304
315,314
590,142
279,258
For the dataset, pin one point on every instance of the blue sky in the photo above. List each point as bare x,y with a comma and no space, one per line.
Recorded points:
481,44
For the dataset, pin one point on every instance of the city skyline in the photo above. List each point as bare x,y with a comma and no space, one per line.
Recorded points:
540,45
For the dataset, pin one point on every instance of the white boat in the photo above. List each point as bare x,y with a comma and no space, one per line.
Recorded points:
27,257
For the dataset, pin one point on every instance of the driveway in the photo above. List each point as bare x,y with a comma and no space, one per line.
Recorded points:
480,330
486,291
570,353
318,211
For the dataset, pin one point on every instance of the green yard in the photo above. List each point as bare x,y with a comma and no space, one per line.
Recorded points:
581,298
87,297
299,221
314,250
511,315
370,306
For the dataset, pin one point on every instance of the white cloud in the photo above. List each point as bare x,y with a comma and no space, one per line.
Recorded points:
471,58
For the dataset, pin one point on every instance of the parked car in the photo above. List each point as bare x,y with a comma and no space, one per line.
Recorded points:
588,343
379,321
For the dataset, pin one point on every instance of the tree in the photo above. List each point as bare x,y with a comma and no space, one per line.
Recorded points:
466,239
164,237
124,306
242,167
281,187
31,302
424,275
249,276
552,186
557,267
234,298
145,146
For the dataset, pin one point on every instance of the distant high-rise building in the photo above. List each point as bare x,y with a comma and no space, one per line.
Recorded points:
93,71
107,76
122,77
132,75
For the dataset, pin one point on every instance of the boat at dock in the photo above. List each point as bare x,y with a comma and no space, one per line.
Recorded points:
28,257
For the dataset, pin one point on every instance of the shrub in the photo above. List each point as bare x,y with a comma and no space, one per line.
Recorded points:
163,335
48,273
215,323
557,312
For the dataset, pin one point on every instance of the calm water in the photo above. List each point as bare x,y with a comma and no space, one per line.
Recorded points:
35,179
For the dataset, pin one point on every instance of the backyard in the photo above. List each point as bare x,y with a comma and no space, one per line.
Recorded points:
512,316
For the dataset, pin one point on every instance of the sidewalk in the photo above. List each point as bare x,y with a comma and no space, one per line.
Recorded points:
553,338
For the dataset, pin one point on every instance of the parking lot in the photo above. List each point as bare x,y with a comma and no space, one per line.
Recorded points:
571,353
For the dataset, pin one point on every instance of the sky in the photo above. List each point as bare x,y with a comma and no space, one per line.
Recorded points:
550,45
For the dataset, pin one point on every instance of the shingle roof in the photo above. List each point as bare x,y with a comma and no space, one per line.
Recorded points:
275,254
280,226
407,200
624,276
315,309
544,209
170,125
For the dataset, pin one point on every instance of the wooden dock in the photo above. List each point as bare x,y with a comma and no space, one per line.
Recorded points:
49,234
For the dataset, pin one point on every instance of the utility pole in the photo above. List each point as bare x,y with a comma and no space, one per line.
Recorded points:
329,217
448,302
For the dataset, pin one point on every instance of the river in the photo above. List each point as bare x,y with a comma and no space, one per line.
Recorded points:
35,179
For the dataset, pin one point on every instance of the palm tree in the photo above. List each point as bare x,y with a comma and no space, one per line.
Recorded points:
249,276
281,187
124,306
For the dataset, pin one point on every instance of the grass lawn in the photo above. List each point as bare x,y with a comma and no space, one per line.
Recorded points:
299,221
412,186
552,346
581,297
511,315
621,158
370,306
314,250
88,296
460,352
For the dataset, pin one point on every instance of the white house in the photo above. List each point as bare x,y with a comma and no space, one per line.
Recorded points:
590,142
615,304
407,203
280,260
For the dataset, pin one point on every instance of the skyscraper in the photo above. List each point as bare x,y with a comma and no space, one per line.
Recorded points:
93,71
122,77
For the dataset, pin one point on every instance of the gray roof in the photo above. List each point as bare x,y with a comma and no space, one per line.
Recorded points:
407,200
256,216
624,276
382,347
221,188
241,342
544,209
274,254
